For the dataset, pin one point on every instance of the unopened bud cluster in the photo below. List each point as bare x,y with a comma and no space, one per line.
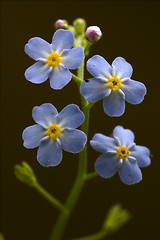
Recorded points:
92,33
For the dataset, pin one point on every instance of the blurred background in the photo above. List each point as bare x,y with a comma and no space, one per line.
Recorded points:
131,30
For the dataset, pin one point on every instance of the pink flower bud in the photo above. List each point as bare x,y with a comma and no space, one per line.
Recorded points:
93,33
60,23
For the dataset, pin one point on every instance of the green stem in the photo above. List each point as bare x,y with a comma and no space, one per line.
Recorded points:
91,175
77,80
96,236
49,197
80,179
87,47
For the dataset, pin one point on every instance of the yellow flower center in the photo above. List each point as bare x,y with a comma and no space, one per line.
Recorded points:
54,59
114,83
122,152
53,131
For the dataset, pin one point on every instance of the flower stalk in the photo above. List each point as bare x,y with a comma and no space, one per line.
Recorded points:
115,219
56,203
91,175
25,174
80,179
77,80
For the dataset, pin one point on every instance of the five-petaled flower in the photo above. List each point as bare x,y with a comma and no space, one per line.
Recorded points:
120,154
54,59
55,131
112,84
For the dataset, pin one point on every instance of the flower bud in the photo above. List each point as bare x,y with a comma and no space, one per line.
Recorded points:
25,174
93,33
61,23
79,25
116,218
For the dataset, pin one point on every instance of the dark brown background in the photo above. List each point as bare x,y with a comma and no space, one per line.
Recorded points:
130,30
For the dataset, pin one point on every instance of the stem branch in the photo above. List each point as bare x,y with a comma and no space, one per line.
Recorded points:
91,175
76,79
49,197
80,179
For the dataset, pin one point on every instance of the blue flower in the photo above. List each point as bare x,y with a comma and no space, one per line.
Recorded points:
120,154
53,60
55,131
112,84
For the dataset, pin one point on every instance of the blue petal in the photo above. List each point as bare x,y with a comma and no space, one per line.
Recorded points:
122,68
73,140
129,172
114,104
37,73
141,154
44,114
125,136
72,58
107,165
94,90
99,67
71,116
102,143
37,48
49,152
134,91
62,39
59,77
32,136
